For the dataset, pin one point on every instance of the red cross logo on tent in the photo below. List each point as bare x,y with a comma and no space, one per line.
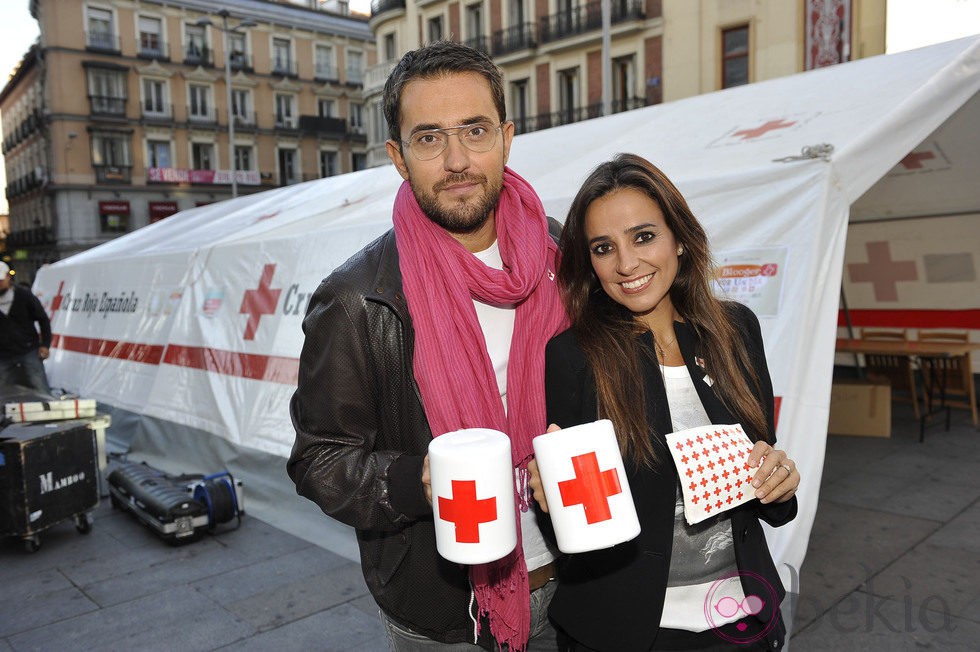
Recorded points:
770,125
913,160
590,488
467,511
882,272
260,301
57,300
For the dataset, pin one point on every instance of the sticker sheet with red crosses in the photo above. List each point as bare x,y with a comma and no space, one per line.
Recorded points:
713,465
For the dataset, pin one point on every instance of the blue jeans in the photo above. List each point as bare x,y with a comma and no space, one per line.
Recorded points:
544,638
25,370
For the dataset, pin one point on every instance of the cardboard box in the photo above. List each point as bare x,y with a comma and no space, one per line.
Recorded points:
860,407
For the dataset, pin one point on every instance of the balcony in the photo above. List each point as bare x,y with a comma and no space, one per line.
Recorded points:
150,46
158,114
285,122
357,133
355,76
198,55
513,39
240,61
202,115
587,18
284,67
112,173
328,127
326,73
102,42
107,105
381,6
541,121
480,43
245,120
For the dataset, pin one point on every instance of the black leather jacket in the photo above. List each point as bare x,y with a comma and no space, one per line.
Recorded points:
361,436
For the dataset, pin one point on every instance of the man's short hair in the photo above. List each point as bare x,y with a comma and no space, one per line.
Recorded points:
434,60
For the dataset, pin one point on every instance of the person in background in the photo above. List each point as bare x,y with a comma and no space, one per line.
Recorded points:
653,350
439,324
25,335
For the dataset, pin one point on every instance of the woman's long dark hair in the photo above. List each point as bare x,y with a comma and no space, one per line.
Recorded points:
607,331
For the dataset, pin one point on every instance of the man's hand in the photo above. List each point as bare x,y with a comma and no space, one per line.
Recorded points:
534,481
43,352
426,479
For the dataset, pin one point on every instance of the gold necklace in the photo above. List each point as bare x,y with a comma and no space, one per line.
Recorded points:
660,348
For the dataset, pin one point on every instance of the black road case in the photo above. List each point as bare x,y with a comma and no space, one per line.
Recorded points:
48,473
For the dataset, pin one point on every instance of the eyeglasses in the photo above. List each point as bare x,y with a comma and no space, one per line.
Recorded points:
430,143
728,607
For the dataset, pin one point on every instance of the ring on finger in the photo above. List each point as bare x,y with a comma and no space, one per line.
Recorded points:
789,469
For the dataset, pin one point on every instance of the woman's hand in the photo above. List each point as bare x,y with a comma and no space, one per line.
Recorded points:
535,479
777,478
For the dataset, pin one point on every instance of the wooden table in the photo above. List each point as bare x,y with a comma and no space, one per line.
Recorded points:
923,352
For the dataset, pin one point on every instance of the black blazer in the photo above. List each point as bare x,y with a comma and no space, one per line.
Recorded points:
613,599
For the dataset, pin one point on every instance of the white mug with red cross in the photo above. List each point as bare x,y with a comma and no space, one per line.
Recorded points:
472,477
584,480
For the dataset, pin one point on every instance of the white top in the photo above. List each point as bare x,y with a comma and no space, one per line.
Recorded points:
702,553
498,331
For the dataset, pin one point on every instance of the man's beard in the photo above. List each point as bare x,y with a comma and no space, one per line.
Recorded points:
460,218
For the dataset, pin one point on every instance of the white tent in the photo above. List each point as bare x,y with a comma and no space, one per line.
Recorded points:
190,329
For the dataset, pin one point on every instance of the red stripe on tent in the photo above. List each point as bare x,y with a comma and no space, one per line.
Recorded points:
132,351
270,368
969,319
232,363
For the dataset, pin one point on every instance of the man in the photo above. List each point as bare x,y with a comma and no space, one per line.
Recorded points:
21,350
426,331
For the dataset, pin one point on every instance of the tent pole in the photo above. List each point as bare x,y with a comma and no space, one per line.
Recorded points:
850,328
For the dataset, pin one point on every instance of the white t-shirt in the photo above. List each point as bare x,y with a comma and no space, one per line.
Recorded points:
498,331
702,553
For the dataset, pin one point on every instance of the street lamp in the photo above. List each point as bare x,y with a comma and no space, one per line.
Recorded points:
225,31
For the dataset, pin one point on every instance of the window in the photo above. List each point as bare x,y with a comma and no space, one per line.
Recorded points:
325,107
200,104
474,26
158,154
243,157
328,163
150,37
735,56
356,117
519,105
358,161
111,156
379,125
154,102
282,61
391,53
202,156
240,102
355,67
623,80
435,29
516,12
567,95
287,167
324,62
284,111
195,44
107,92
100,33
237,51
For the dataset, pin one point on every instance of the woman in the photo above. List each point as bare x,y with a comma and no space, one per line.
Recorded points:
653,350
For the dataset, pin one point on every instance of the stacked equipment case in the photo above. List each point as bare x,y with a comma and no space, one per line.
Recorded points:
48,473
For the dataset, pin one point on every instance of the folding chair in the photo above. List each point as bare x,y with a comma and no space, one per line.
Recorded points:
956,372
895,368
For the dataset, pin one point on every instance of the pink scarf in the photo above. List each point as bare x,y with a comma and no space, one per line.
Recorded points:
454,373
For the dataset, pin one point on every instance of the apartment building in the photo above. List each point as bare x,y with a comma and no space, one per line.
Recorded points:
119,115
551,51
